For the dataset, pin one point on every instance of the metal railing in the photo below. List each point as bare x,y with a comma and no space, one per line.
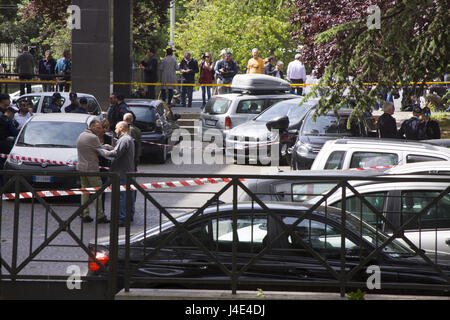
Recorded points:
41,236
149,263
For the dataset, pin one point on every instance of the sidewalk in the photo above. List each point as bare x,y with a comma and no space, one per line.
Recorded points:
185,294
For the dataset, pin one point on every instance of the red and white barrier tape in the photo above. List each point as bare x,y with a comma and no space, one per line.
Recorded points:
145,186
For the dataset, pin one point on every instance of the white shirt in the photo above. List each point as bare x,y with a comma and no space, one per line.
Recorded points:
296,70
21,119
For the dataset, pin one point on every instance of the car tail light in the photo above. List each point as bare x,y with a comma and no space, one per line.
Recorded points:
228,124
101,257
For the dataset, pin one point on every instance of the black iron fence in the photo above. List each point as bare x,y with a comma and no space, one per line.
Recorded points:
281,232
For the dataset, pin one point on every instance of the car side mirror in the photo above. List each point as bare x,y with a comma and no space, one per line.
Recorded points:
280,123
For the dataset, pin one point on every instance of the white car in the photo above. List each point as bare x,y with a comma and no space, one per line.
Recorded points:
49,136
436,167
39,101
365,153
37,88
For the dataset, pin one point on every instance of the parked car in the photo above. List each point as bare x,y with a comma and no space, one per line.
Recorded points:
426,168
157,122
251,95
256,132
49,136
38,101
362,153
398,201
315,132
288,261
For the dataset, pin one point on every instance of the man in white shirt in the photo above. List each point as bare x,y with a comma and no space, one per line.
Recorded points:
296,73
23,115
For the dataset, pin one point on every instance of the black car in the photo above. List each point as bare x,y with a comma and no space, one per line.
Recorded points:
157,122
290,261
314,133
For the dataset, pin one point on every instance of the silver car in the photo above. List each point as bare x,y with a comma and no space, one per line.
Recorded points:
251,95
49,136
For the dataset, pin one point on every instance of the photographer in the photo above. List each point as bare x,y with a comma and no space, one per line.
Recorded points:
225,70
206,76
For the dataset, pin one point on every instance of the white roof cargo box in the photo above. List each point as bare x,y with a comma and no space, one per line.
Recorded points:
259,83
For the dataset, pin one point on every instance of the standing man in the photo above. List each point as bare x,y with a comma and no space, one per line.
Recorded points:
136,134
47,70
150,68
188,68
411,129
56,104
226,69
118,109
269,67
63,70
255,64
123,162
23,115
169,67
296,73
7,129
430,127
216,89
87,146
386,124
25,69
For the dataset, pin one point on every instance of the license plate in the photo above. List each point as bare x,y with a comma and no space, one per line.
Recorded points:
210,122
42,179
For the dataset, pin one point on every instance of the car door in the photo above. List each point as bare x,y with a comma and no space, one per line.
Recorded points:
94,107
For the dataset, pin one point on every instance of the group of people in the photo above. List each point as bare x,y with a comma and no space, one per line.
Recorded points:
47,68
97,150
221,72
418,127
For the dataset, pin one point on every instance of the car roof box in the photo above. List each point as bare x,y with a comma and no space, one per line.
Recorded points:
259,83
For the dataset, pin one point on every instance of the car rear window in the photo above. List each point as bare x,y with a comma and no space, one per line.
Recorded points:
293,110
51,134
217,105
250,106
327,125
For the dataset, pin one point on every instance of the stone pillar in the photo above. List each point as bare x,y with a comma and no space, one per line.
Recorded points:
91,54
123,37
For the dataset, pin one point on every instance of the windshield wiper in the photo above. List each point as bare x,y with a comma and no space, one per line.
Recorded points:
24,144
52,145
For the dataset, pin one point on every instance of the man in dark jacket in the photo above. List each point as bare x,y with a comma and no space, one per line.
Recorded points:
225,70
7,129
150,68
56,104
387,126
411,129
25,69
117,109
430,127
47,70
188,68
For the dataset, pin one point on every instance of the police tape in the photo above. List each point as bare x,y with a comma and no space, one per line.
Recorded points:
41,161
145,186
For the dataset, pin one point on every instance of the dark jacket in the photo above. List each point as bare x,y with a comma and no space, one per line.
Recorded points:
151,70
231,66
411,129
431,129
51,108
387,126
78,109
116,112
47,67
270,69
189,77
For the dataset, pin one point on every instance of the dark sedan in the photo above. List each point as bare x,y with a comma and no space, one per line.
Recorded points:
306,255
157,122
314,133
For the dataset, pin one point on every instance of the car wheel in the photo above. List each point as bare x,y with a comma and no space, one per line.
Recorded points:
162,156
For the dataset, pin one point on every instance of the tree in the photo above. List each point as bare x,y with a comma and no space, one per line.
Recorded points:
239,25
411,46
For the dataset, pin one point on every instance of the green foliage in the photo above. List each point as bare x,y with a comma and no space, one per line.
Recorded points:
210,26
357,295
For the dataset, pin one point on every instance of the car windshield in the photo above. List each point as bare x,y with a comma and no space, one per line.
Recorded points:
143,113
329,125
51,134
217,105
293,110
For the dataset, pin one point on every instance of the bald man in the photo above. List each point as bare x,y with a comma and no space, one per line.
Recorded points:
122,163
136,134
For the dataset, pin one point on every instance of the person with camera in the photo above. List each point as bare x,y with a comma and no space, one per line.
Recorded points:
225,70
188,67
150,68
206,76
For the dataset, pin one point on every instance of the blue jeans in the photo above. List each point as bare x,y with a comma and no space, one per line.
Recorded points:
123,202
206,91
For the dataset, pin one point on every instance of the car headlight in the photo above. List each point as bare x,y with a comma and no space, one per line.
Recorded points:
304,149
13,160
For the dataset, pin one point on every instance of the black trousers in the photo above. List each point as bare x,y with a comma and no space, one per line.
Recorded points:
25,85
299,89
